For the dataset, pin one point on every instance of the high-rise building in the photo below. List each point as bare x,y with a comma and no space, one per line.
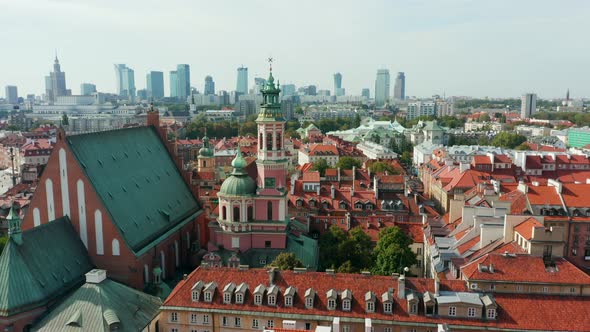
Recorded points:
337,84
259,83
86,89
288,90
366,93
155,84
242,84
11,94
125,82
399,89
528,105
55,83
183,81
209,86
174,84
382,87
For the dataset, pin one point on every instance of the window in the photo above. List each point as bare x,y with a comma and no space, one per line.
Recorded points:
492,287
545,289
250,213
236,213
193,318
331,304
519,288
174,317
272,300
387,307
345,328
208,296
452,311
205,319
227,298
262,261
270,323
224,213
419,251
370,306
572,290
288,301
491,313
387,329
470,312
258,299
269,211
255,323
414,308
239,298
237,321
225,321
173,329
309,302
346,305
474,285
195,296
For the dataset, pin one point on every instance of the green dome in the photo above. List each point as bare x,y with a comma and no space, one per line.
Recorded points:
239,183
206,151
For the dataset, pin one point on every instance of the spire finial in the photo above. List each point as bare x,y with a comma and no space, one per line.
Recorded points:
270,59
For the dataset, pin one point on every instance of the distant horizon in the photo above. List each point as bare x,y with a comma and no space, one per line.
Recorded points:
501,49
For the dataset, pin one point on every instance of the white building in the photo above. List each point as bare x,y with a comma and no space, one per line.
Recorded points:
376,151
421,108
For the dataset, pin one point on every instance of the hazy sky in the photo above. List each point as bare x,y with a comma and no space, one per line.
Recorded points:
481,48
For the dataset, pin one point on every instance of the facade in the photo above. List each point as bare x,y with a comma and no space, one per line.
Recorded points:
155,84
125,82
528,105
421,108
174,84
37,151
338,85
382,87
57,82
209,86
127,200
366,92
183,81
242,83
399,89
11,94
87,89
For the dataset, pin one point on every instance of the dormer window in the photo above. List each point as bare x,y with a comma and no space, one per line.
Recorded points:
332,295
272,300
239,298
387,307
258,294
309,297
346,305
208,296
312,203
491,313
299,203
272,292
331,304
195,296
387,299
227,292
346,297
342,206
370,302
241,292
358,206
196,290
227,298
289,294
258,299
209,290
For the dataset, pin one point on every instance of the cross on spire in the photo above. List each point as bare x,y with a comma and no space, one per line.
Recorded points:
270,59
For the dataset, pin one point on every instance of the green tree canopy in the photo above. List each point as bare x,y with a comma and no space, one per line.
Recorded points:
345,252
320,165
392,252
508,140
348,162
286,261
381,166
3,241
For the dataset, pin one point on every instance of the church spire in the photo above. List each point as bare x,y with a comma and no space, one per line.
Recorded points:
270,109
14,230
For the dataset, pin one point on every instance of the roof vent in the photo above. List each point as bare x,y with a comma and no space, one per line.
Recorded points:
96,276
300,270
243,267
330,271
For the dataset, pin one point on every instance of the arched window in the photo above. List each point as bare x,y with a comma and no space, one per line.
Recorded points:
223,213
98,232
250,213
236,213
204,163
176,253
162,263
279,141
269,210
146,274
269,141
260,141
115,248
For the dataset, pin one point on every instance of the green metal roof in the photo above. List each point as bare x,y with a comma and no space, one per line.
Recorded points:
38,270
93,306
239,183
137,180
305,248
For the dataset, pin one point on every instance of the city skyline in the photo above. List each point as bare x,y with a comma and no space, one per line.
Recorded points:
454,50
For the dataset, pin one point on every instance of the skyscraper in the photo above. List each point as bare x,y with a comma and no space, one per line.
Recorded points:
338,85
155,84
242,84
55,83
399,89
366,93
184,81
174,84
259,83
209,86
86,89
11,94
528,105
382,87
125,81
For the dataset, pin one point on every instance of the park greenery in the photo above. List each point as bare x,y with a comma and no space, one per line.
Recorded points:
321,165
353,251
381,166
348,163
286,261
508,140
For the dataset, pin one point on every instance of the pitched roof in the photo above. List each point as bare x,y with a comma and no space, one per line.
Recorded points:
525,228
138,182
93,304
525,268
38,270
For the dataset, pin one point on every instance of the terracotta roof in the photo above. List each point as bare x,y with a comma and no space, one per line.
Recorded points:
525,268
311,176
331,172
323,150
525,228
502,158
463,248
576,195
479,160
540,195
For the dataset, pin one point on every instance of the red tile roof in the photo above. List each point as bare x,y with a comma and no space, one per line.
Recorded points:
525,228
311,176
540,195
323,150
525,268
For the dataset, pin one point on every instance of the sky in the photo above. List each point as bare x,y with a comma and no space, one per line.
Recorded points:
480,48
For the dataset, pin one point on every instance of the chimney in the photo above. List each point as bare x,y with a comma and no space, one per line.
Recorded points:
332,192
96,276
463,167
368,325
271,275
353,174
336,324
292,185
376,186
491,268
401,287
436,286
338,174
317,190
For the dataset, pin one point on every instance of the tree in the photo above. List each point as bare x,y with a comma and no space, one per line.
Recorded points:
393,252
64,119
345,252
523,147
357,121
508,140
484,118
286,261
3,241
381,166
348,162
320,165
406,158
